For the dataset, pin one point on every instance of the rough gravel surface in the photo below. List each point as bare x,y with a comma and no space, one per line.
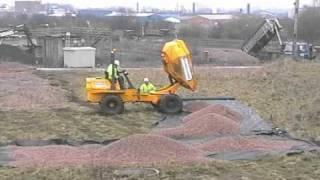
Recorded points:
22,90
252,121
134,150
232,57
53,156
214,132
206,125
217,109
149,149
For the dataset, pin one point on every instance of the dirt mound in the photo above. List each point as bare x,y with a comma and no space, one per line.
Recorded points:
195,106
148,149
207,125
230,57
232,144
217,109
14,54
22,90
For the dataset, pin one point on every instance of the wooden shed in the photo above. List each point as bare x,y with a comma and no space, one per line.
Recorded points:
51,51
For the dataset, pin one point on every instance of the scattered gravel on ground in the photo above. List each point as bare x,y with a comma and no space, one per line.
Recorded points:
53,156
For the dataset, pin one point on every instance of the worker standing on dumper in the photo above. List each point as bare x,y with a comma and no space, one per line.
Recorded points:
147,87
113,71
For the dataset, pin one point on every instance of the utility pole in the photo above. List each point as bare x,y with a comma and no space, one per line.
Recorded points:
316,3
295,31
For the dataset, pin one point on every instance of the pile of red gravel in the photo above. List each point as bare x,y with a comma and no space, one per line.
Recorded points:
133,150
195,106
215,122
206,125
232,144
217,109
149,149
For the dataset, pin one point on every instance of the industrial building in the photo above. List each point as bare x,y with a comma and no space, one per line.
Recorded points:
28,7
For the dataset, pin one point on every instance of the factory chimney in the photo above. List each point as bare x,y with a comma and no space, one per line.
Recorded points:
248,8
138,7
193,8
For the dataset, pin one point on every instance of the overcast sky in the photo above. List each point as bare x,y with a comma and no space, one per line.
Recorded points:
172,4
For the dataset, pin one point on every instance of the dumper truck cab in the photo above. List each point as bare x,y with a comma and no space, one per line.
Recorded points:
304,50
177,63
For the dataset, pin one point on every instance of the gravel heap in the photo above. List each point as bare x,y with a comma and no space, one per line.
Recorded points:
230,57
140,149
149,149
216,109
213,132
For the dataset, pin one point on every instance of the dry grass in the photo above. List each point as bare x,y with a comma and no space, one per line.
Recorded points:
287,93
293,167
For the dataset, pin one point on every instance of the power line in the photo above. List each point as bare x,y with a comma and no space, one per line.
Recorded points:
295,32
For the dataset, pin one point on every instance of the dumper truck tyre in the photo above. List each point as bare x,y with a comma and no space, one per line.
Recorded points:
170,104
155,106
112,105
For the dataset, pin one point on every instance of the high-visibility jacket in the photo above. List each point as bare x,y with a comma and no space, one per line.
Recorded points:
147,88
115,71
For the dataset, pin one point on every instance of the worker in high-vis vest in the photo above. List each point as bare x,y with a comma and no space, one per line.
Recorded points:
147,87
113,71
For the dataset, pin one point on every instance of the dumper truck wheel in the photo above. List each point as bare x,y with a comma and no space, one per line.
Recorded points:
155,106
112,104
170,104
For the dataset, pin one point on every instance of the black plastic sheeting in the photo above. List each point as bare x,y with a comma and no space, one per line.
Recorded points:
5,156
252,125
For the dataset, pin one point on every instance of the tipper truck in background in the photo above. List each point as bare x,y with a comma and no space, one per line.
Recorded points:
266,32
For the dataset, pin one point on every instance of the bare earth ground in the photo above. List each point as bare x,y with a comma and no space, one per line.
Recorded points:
287,93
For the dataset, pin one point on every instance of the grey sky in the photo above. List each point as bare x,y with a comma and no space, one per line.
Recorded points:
172,4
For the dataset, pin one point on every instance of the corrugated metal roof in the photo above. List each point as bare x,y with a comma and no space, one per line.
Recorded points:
172,20
143,14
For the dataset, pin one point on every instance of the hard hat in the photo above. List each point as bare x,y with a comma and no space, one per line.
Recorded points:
146,80
117,62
